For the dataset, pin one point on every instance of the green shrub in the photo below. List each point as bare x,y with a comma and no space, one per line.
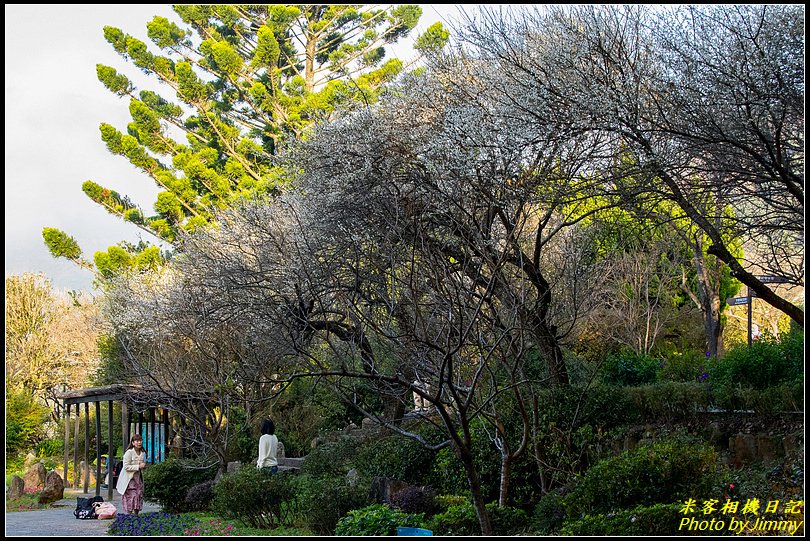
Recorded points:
167,482
446,501
662,472
629,368
682,366
325,500
669,400
54,447
242,444
768,362
24,421
331,459
395,457
448,476
463,520
376,519
576,427
548,515
199,497
413,499
658,519
257,497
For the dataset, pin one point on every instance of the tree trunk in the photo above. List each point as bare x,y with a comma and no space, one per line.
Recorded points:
309,63
465,455
506,472
546,336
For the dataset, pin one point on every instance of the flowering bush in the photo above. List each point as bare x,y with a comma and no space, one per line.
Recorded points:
167,524
28,501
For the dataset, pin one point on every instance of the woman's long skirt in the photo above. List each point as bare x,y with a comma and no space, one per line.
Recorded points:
132,499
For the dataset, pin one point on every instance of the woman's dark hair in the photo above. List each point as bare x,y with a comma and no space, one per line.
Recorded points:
268,427
135,437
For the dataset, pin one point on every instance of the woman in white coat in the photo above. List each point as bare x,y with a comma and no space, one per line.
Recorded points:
130,482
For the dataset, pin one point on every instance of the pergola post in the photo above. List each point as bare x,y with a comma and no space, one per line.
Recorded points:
86,446
98,447
110,451
77,480
67,442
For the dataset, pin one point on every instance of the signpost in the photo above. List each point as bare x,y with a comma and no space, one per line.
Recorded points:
768,279
737,301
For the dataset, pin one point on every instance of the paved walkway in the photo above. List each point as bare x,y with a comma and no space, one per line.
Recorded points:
59,520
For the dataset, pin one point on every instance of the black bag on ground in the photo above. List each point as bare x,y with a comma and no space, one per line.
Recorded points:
85,508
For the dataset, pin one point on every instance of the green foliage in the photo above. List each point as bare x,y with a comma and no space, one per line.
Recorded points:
446,501
463,520
60,244
768,362
52,447
242,445
257,497
376,519
662,472
113,368
329,459
669,401
395,457
434,39
659,519
412,499
199,497
119,260
325,500
238,73
313,410
548,515
683,366
629,368
448,474
167,482
25,419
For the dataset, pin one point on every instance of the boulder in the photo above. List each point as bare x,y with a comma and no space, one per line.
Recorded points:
35,476
30,460
91,474
383,489
352,477
54,488
16,489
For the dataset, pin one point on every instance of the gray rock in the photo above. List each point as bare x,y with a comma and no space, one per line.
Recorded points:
54,488
16,489
35,476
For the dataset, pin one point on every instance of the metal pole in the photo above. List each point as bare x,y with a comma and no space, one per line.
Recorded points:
750,318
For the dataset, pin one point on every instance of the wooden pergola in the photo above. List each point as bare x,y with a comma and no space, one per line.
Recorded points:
141,412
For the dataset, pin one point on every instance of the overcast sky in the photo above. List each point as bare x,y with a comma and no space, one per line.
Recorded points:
54,106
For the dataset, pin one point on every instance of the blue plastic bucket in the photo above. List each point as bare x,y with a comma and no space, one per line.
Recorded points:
413,531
